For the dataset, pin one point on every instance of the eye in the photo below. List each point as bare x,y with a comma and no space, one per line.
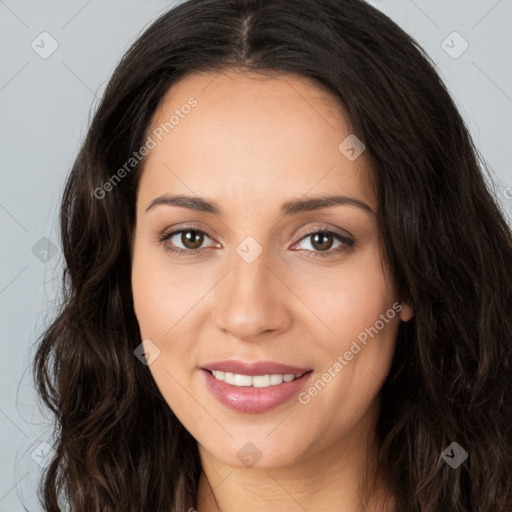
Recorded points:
191,239
322,241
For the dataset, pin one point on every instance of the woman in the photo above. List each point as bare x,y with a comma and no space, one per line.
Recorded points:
287,285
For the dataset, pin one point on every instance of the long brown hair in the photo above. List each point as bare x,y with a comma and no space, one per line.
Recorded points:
120,447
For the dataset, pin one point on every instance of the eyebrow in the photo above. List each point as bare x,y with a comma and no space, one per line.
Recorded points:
294,207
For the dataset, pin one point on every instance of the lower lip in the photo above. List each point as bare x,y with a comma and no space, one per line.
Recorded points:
250,399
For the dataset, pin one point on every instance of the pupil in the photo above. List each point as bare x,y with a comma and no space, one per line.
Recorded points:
192,238
322,245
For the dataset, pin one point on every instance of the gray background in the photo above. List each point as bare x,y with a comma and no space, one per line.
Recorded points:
45,107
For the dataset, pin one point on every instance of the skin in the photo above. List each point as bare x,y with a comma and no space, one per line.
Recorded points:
252,143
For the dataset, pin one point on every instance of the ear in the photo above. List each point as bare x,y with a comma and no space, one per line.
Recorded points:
406,313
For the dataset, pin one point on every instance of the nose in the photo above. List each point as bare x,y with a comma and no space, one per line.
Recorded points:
252,301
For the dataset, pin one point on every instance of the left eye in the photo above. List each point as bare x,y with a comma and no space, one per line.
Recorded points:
322,242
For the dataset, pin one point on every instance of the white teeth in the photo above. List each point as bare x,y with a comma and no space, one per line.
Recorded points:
257,381
229,378
276,379
261,381
242,380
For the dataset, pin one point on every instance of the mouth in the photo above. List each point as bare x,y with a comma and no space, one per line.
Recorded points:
254,387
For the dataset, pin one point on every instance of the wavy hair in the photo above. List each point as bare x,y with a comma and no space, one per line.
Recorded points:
447,244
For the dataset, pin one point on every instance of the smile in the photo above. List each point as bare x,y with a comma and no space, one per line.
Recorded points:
257,381
253,387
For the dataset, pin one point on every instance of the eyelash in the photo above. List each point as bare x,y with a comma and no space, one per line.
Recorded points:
346,243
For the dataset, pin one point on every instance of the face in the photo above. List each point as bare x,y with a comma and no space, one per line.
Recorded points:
250,283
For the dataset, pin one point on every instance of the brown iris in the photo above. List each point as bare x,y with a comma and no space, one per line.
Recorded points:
194,238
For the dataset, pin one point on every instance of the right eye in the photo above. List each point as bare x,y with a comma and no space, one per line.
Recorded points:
190,238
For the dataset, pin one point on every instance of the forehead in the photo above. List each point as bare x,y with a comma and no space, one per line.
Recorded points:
244,87
267,134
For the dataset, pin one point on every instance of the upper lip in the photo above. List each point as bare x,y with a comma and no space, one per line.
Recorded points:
255,368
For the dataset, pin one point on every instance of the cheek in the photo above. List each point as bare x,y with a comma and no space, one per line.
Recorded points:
150,301
350,298
161,307
161,295
168,299
356,337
